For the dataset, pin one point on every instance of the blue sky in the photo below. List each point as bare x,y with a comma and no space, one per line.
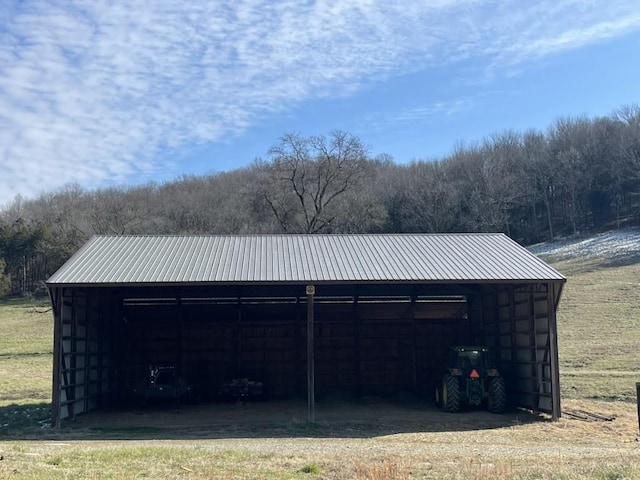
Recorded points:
112,93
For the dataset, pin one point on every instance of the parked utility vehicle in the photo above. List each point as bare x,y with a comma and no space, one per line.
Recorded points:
471,379
163,383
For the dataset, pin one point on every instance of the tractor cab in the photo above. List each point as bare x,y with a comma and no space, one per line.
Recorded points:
464,360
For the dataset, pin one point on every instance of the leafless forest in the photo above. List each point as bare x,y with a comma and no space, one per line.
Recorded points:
579,175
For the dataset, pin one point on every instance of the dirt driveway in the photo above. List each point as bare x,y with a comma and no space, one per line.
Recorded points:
410,438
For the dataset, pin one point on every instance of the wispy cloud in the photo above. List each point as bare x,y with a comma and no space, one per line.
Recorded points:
420,113
93,92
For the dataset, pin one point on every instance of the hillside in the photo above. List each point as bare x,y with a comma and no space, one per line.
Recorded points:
599,315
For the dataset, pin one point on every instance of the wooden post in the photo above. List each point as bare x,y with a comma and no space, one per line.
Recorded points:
177,373
56,300
297,342
237,331
357,384
414,335
556,410
310,356
638,402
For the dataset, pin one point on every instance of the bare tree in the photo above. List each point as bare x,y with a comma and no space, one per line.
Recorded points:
568,138
629,167
540,175
362,208
428,200
5,279
116,211
307,176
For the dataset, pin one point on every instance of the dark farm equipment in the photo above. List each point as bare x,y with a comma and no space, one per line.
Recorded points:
163,383
471,379
242,390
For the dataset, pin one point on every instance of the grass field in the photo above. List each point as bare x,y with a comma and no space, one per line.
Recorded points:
599,324
599,339
25,352
599,332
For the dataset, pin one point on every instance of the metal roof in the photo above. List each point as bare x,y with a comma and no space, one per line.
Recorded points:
231,259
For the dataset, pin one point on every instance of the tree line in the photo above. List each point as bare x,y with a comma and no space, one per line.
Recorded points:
580,174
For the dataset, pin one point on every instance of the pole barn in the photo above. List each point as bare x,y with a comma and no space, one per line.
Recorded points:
306,315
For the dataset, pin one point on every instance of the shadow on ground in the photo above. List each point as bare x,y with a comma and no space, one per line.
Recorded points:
366,418
20,419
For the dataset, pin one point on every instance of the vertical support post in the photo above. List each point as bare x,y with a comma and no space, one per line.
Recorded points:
88,318
179,343
512,329
357,384
638,402
238,339
414,335
72,382
297,342
553,350
310,355
536,370
56,301
120,346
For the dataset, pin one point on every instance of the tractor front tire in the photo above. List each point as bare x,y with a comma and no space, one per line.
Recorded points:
450,394
497,395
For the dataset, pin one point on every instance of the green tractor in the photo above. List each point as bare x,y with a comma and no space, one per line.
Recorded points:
471,380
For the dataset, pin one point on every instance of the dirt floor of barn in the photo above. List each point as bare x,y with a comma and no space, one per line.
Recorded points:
365,418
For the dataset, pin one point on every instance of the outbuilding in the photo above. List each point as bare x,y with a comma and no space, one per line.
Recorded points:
301,315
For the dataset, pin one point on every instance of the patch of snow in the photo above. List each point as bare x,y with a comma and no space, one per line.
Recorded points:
616,244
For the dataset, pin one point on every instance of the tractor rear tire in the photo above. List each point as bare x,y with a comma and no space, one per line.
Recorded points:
451,393
497,395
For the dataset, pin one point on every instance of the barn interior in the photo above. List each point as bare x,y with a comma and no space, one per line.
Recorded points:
368,339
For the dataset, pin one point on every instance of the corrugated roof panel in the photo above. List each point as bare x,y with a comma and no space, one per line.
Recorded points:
302,258
224,258
393,258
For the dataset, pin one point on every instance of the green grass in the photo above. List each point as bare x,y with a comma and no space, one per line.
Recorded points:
134,462
598,334
310,468
26,347
598,386
599,329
